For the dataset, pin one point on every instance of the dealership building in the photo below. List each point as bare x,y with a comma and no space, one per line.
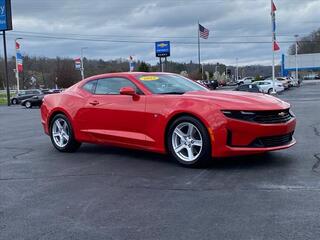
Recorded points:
308,65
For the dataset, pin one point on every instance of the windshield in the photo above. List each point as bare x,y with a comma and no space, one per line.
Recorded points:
169,84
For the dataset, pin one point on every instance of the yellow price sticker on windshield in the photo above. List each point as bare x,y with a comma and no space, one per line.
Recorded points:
149,78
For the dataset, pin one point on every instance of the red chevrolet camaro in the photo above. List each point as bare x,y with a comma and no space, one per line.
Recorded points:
166,113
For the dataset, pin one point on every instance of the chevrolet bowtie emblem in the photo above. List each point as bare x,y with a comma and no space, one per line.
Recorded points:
162,45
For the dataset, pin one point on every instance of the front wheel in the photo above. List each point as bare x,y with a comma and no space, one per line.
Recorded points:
188,142
62,136
14,101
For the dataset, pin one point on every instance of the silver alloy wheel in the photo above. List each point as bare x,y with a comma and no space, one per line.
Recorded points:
187,141
14,101
60,132
28,104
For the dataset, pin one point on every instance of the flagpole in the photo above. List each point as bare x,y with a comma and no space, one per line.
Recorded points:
199,58
273,38
17,70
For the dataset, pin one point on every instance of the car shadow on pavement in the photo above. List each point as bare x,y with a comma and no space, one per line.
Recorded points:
118,152
261,161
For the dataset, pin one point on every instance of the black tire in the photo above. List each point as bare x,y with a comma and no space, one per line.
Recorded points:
14,101
204,157
270,91
72,144
28,104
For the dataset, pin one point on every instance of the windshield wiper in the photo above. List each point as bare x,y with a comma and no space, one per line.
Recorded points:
173,93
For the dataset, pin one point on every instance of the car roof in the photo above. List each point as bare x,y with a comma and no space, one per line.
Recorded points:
126,74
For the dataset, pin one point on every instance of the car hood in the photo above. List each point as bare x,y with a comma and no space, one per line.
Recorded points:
236,100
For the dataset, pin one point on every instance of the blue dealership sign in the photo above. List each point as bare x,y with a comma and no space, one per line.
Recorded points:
5,15
163,49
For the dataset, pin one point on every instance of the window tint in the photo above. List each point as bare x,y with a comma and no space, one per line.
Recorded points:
243,87
90,86
169,84
113,85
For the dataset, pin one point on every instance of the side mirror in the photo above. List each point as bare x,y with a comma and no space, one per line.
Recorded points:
128,91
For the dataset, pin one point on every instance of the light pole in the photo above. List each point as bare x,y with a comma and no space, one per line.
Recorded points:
296,37
82,66
237,70
17,70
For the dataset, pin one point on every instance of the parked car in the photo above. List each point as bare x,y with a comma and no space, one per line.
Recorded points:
294,82
245,80
33,101
285,81
267,86
210,84
46,91
166,113
25,94
249,88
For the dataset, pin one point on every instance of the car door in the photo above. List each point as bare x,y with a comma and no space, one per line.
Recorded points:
114,118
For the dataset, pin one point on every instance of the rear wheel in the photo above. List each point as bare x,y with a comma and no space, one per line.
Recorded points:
62,136
270,91
189,142
28,104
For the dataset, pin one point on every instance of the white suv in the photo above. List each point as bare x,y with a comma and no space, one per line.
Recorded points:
245,80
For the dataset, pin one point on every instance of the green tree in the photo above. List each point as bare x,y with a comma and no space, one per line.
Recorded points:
143,67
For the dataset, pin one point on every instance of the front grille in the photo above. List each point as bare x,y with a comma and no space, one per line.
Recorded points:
268,117
264,117
274,141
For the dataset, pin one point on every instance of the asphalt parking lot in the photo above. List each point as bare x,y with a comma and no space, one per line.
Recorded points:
111,193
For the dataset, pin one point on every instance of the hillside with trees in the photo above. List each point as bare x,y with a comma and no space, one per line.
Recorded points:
49,72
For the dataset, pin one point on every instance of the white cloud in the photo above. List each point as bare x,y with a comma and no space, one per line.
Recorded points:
227,20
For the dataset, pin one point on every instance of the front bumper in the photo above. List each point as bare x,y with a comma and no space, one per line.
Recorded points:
237,137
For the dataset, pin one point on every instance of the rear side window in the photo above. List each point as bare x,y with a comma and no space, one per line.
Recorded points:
112,86
90,86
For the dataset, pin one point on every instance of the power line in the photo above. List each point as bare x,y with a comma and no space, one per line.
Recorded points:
139,41
158,37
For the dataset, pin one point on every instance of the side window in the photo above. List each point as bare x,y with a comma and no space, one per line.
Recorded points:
112,86
90,86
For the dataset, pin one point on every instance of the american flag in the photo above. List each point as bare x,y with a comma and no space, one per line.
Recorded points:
204,33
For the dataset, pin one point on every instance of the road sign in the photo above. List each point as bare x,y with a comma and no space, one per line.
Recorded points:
5,15
77,63
163,49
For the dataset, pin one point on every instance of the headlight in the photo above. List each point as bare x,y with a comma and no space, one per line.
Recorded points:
291,113
241,115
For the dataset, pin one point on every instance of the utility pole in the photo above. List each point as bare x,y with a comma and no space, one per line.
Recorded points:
17,70
237,70
199,53
82,66
297,73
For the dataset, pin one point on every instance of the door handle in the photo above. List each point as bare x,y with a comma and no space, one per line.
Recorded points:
94,103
